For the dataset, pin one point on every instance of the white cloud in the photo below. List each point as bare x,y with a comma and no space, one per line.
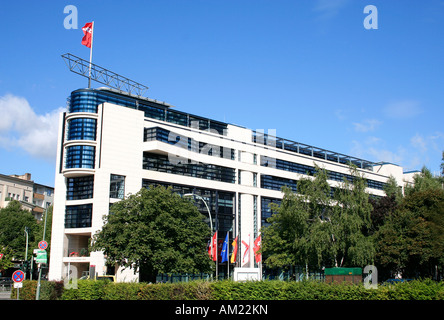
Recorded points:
367,125
329,8
403,109
419,142
21,127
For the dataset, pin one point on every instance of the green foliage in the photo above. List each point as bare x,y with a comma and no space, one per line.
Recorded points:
230,290
86,290
155,231
411,241
49,290
195,290
309,228
13,221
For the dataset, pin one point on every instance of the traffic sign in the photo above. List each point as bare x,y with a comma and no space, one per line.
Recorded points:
41,257
18,276
43,245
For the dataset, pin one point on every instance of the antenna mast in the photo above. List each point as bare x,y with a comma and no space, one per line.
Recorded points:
94,72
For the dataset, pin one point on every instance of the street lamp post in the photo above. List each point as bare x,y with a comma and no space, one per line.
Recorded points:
209,214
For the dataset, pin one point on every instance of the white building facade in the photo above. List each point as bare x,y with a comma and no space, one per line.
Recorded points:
113,144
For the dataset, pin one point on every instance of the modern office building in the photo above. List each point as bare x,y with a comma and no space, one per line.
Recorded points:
112,144
32,196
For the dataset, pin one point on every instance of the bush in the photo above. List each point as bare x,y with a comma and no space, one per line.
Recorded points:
230,290
86,290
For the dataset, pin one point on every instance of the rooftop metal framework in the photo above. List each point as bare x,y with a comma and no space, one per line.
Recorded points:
104,76
302,148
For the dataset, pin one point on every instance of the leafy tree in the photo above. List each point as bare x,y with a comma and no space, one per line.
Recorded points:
423,181
411,241
311,228
351,222
13,220
384,206
155,231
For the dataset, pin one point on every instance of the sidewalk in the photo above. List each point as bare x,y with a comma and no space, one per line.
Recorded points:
5,295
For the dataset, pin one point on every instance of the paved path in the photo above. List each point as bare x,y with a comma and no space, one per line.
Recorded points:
5,295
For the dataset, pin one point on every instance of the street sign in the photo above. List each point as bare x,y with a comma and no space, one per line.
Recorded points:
41,257
43,245
18,276
18,285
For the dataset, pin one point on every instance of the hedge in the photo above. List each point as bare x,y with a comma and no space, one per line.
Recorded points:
230,290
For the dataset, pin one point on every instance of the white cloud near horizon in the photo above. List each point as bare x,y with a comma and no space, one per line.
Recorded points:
366,125
403,109
416,152
21,127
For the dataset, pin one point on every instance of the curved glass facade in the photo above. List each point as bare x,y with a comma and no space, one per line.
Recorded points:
80,157
87,100
83,101
82,129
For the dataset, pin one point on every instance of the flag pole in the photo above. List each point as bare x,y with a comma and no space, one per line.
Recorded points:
90,55
227,255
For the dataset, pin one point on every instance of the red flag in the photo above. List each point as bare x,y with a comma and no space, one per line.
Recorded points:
246,255
213,254
257,246
234,255
88,34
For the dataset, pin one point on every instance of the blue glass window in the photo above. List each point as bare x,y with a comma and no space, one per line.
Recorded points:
82,129
78,216
80,157
79,188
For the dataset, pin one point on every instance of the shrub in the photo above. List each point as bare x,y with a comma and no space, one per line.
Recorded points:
230,290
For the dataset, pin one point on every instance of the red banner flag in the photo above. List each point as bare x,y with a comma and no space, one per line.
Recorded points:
213,254
88,34
246,254
256,248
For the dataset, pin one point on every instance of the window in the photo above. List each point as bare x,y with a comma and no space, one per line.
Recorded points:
79,188
82,129
276,183
78,216
117,187
80,157
161,163
218,201
265,209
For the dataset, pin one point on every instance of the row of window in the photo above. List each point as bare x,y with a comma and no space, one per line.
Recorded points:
80,188
88,100
310,170
219,202
301,148
161,163
163,135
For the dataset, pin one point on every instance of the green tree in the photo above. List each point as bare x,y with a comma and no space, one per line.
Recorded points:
295,235
423,181
155,231
351,220
311,228
13,220
411,241
384,206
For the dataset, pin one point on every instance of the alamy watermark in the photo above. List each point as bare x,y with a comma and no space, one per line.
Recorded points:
371,21
71,20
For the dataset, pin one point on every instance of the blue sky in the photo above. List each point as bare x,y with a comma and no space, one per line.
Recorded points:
307,68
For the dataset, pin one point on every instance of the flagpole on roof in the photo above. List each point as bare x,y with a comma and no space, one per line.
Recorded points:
90,55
